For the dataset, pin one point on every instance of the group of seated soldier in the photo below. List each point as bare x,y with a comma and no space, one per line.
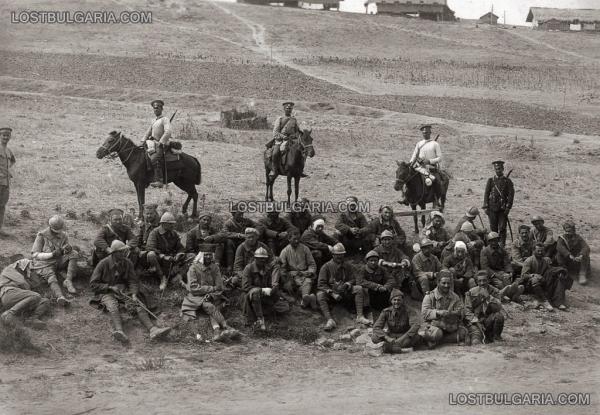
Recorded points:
366,266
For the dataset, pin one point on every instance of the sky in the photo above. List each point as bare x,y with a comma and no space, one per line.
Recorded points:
516,10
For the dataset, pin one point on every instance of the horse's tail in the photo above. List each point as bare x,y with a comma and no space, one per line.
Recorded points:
199,176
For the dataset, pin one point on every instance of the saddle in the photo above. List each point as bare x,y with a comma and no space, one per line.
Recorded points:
172,155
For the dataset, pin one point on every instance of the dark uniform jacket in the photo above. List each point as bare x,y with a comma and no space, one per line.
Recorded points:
494,260
333,276
345,222
522,250
108,234
233,226
108,273
317,241
301,220
397,322
145,230
499,194
197,236
478,300
463,268
377,226
244,255
270,228
252,277
373,279
164,242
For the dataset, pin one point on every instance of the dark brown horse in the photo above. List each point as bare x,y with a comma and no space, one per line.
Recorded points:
185,173
297,151
417,193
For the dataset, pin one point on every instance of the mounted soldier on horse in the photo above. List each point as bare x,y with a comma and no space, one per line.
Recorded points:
286,153
182,169
422,180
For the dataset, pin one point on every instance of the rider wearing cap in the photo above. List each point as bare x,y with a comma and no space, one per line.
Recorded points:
284,129
160,132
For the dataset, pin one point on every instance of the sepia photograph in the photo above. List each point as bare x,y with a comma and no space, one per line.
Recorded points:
329,207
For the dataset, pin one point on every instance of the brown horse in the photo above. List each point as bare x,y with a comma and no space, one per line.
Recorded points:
417,193
297,151
185,173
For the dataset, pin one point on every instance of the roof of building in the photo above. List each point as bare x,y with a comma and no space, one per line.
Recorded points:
543,14
413,2
487,16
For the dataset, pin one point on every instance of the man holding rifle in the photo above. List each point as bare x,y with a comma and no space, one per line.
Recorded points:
115,283
498,200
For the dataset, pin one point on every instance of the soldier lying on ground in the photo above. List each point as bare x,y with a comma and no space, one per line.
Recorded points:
17,297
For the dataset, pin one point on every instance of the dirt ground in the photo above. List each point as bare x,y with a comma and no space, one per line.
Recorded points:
63,94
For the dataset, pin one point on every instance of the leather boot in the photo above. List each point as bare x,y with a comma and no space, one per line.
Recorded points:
330,325
359,303
60,298
118,333
40,311
71,273
392,348
497,329
582,277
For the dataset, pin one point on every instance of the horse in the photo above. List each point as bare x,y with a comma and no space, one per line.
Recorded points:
297,151
185,173
417,193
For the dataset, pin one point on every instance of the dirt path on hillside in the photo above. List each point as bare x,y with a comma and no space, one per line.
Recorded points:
259,36
518,33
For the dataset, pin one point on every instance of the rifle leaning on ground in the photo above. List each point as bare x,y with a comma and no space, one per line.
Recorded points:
136,302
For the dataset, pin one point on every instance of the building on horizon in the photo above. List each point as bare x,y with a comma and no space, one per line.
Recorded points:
547,18
488,18
437,10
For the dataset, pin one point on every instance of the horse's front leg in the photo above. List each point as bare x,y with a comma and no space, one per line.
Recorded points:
416,220
296,187
289,188
140,190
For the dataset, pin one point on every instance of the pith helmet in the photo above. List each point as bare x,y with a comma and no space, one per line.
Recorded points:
56,223
117,246
261,253
167,217
338,249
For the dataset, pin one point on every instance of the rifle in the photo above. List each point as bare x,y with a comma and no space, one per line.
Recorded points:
507,218
165,156
172,116
138,303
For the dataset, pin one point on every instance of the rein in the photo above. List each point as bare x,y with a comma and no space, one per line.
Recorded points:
112,149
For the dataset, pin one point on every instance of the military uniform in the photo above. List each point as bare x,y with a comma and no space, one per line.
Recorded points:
7,160
521,250
271,230
197,238
462,270
439,236
354,243
16,293
254,280
284,129
575,246
109,274
318,243
159,134
107,235
399,330
402,276
440,328
244,255
298,271
497,202
425,269
483,313
546,282
378,225
337,282
377,284
498,265
233,231
162,246
301,220
546,237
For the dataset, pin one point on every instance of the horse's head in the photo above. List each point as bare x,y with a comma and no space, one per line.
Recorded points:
402,174
110,145
307,142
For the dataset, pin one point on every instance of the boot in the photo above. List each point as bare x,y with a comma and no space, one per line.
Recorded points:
392,348
363,320
359,303
118,333
260,322
582,277
232,333
158,174
548,306
219,335
159,332
60,298
40,311
68,284
330,325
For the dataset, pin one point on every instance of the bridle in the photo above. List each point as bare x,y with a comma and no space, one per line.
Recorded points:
408,179
119,143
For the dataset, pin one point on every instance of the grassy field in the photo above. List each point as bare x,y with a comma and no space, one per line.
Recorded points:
64,95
